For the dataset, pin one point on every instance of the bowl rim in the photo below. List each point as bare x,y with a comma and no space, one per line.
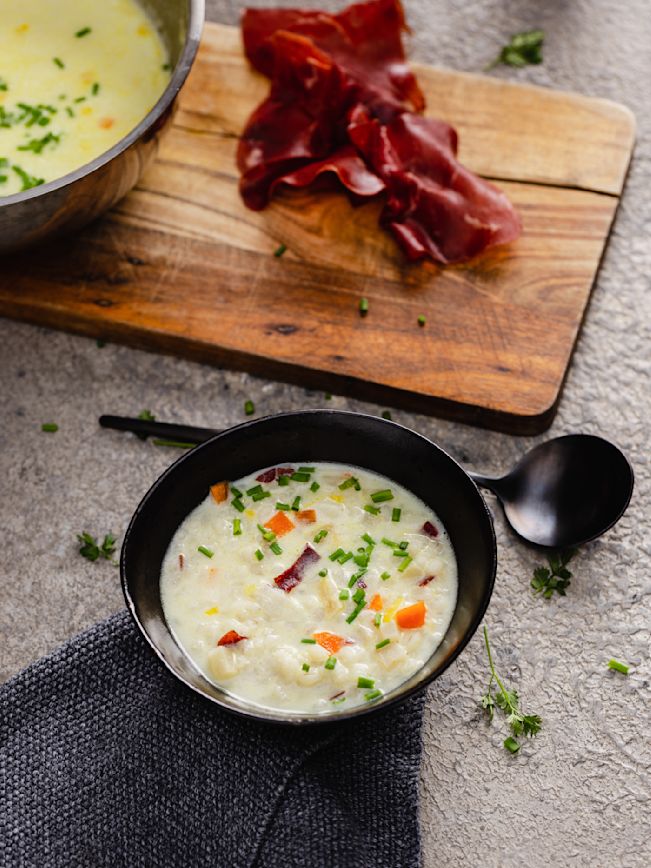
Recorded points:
258,713
174,85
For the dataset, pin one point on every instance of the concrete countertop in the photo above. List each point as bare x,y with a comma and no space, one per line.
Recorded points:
579,794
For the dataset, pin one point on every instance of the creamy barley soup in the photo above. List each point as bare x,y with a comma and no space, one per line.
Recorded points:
309,588
75,77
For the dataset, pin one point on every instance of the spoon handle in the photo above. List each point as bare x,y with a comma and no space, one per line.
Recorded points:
489,482
166,430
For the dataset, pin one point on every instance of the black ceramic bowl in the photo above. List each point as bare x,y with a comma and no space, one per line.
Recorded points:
313,435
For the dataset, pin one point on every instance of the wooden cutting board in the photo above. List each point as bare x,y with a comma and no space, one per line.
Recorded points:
181,266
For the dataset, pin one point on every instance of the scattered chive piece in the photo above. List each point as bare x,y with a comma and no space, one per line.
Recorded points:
322,534
358,608
51,427
336,554
365,682
237,527
275,548
283,506
283,480
386,414
95,88
339,701
369,539
308,641
378,619
511,744
236,492
278,252
300,476
330,663
385,576
344,594
254,490
421,320
323,573
305,667
205,551
315,486
83,32
404,564
59,62
389,542
374,694
166,67
383,644
258,554
296,503
175,444
373,510
396,512
146,416
381,496
306,469
403,545
355,577
237,503
345,557
249,408
260,495
351,482
363,306
618,667
359,595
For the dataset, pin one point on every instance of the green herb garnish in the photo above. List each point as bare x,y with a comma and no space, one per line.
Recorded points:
385,576
147,416
373,510
363,306
308,641
283,480
315,486
259,555
382,644
337,553
175,444
351,482
396,512
28,181
323,573
330,663
275,548
365,682
386,414
378,619
284,507
58,62
421,320
83,32
95,88
322,534
404,564
306,469
237,527
618,667
300,476
305,667
205,551
92,551
523,49
374,694
358,608
249,408
508,701
278,252
237,503
382,496
296,503
50,427
344,594
555,578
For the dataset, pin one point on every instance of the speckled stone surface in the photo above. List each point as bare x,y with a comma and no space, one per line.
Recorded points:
579,794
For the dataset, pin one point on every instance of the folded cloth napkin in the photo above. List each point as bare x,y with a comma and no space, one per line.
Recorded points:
105,759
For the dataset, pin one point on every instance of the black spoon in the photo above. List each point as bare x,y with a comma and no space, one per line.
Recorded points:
560,494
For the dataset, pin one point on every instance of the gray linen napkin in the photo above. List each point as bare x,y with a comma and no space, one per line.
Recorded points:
106,760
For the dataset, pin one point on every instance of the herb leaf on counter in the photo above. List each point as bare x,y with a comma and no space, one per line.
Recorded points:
523,49
90,549
508,701
147,416
556,577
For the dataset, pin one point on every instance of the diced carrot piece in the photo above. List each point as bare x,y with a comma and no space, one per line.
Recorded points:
219,491
376,603
330,641
411,616
231,638
306,515
280,524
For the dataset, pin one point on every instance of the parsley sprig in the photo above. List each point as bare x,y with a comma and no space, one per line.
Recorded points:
556,577
508,702
90,549
523,49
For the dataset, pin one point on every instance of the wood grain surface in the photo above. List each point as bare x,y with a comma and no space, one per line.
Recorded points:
181,266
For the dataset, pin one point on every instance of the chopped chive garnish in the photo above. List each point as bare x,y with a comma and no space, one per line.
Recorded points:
359,595
355,577
385,576
345,557
305,667
396,512
306,469
365,682
59,62
95,88
205,551
421,320
260,495
381,496
336,554
330,663
404,564
308,641
267,534
80,99
378,619
511,744
368,539
403,545
83,32
283,506
254,490
275,548
363,306
389,542
351,482
373,510
235,491
383,644
315,486
175,444
358,608
618,667
323,573
283,480
322,534
249,408
237,503
259,555
374,694
51,427
71,114
344,594
398,552
296,503
339,701
387,415
237,527
278,252
362,559
300,476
